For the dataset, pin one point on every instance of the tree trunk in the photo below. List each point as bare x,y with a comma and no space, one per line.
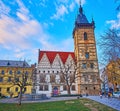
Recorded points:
68,90
20,96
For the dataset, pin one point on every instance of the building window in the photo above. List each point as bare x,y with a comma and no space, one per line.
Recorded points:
18,72
39,71
10,72
41,87
73,87
26,72
87,55
2,72
72,78
86,88
86,78
16,89
91,65
65,88
84,65
42,78
16,79
52,78
9,79
1,79
85,36
48,71
53,72
62,80
8,89
46,87
25,89
94,88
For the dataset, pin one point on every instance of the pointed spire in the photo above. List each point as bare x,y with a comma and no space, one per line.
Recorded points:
80,9
93,22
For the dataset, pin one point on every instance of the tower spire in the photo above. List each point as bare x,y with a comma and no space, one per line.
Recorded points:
80,9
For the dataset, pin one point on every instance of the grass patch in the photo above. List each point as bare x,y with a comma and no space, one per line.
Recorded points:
71,105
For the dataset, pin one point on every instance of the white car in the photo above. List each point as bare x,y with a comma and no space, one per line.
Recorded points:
116,94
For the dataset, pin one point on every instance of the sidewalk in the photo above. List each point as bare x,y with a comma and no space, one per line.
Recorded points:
111,102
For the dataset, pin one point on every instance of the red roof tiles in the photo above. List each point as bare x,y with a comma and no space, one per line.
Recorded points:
52,54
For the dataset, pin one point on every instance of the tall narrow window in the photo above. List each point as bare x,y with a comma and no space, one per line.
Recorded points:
87,55
64,87
8,89
84,65
46,87
16,89
1,79
91,65
9,79
2,72
10,72
85,36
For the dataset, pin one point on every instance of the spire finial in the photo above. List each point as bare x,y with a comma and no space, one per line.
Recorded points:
80,9
80,2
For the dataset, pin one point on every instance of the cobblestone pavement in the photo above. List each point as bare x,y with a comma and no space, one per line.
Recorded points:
112,102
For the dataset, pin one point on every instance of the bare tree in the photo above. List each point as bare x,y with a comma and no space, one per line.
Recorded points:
109,44
68,74
104,80
118,5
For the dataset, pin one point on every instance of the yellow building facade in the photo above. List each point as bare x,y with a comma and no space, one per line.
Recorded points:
113,74
10,70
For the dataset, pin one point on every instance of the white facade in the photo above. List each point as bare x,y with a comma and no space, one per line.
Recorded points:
48,76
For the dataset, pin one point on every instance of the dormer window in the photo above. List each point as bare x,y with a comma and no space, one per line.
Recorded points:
85,36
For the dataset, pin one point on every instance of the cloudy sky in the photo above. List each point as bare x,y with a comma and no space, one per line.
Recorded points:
29,25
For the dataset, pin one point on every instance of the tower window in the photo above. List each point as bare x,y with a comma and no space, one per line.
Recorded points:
84,65
87,55
85,36
91,65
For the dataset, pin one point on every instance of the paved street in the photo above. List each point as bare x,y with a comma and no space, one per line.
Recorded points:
112,102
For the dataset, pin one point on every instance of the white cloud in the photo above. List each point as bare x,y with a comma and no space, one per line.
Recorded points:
4,9
60,12
14,33
63,7
114,23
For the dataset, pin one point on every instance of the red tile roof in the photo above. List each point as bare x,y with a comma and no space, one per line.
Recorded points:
52,54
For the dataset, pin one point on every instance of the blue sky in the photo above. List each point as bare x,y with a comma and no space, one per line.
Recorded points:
29,25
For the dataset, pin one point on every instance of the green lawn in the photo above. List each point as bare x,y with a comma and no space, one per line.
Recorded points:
71,105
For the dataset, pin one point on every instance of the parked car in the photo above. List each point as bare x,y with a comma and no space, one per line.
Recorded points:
116,94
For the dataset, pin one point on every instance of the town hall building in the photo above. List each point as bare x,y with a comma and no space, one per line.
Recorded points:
82,63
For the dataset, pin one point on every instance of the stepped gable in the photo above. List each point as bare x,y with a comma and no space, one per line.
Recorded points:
52,54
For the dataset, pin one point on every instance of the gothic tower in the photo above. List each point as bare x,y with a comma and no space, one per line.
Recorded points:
86,56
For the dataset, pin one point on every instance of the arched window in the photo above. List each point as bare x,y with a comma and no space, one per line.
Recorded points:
85,36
